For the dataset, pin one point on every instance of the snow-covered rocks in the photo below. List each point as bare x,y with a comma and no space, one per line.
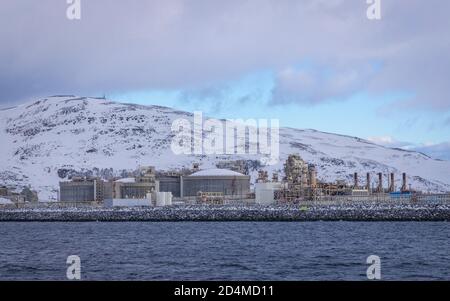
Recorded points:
357,212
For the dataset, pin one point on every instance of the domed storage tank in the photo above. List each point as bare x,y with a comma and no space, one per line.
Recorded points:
227,182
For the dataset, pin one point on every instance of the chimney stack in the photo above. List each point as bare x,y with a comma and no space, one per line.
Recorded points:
380,182
392,183
404,182
312,176
368,182
355,180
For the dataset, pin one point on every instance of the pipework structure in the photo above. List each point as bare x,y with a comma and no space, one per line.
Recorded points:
300,184
300,180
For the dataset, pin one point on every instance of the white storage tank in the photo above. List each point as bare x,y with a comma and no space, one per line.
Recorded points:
159,200
265,193
168,199
227,182
149,197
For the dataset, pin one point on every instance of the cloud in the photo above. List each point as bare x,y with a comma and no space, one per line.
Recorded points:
210,98
434,150
438,151
316,84
140,45
389,141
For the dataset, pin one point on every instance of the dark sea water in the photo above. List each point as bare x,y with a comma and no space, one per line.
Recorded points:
225,251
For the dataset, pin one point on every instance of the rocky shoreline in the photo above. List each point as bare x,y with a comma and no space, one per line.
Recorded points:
357,212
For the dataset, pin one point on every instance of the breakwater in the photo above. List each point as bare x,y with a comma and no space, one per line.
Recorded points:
357,212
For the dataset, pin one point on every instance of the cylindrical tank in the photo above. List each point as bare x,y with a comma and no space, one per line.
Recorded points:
160,202
168,199
149,197
265,193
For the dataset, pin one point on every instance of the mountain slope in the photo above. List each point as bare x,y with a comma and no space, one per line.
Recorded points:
43,141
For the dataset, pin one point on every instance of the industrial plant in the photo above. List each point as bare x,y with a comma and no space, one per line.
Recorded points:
26,195
229,183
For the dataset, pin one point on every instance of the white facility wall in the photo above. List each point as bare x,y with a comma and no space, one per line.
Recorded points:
127,203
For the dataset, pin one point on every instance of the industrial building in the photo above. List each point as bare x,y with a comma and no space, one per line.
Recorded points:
141,190
136,188
227,182
171,182
96,190
25,196
81,190
210,183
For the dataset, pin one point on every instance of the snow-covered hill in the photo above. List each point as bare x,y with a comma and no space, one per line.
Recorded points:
43,141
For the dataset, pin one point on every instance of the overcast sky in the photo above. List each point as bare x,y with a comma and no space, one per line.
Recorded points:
312,63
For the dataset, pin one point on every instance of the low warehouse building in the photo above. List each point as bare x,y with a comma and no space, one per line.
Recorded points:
227,182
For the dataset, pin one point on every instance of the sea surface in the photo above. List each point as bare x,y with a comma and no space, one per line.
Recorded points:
225,250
